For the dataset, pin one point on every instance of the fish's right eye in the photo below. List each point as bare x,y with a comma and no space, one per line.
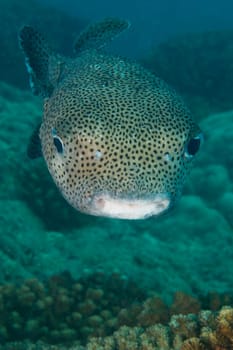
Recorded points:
58,144
57,141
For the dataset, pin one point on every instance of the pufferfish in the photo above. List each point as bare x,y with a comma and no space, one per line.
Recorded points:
118,141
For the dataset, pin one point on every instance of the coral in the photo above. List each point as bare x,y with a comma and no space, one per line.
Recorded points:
221,337
63,309
109,312
153,311
182,333
184,304
193,344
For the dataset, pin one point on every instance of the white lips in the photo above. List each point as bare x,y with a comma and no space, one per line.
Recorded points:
113,207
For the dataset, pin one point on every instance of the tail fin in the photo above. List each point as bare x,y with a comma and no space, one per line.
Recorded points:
43,66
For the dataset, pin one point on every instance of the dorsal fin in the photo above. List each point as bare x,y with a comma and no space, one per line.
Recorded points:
97,35
43,66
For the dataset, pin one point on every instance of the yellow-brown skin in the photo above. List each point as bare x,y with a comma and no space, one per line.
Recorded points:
124,133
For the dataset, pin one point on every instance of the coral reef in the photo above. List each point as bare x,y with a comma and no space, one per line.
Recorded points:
198,64
63,310
86,314
205,331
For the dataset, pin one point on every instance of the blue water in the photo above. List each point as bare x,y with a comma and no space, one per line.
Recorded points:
154,21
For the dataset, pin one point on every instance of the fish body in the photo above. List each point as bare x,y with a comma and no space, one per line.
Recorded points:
118,141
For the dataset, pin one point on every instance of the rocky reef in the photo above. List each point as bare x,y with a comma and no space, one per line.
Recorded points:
198,64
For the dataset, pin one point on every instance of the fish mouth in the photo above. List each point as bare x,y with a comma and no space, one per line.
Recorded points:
130,208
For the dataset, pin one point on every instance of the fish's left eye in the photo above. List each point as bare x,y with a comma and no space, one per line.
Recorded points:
193,146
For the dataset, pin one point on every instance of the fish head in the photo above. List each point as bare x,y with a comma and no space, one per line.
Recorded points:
127,159
117,141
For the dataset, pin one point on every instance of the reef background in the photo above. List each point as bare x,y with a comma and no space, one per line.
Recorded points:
189,249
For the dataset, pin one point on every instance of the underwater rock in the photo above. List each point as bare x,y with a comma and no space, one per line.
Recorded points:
197,64
16,253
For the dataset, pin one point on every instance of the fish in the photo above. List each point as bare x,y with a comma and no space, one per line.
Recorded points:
117,140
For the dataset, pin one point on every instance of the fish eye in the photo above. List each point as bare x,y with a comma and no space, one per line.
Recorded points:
193,146
57,141
58,144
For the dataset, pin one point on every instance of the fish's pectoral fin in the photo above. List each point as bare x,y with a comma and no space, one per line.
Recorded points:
43,66
97,35
34,149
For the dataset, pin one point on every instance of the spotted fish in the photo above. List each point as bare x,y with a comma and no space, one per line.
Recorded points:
118,141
